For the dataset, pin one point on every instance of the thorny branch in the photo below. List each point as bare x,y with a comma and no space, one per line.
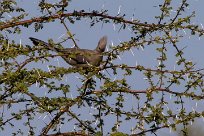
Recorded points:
105,109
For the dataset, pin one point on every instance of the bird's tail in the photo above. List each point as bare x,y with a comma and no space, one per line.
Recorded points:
40,42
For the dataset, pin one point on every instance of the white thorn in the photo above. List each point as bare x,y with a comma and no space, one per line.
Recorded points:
159,62
111,57
2,60
44,117
9,15
77,77
119,57
44,10
173,11
119,40
193,109
187,77
145,106
114,27
90,113
50,9
71,96
38,73
96,121
87,62
39,116
132,52
132,18
184,31
142,48
202,117
61,125
93,108
19,94
20,43
36,83
112,43
2,20
102,7
58,62
169,122
201,25
106,48
117,126
114,79
167,106
132,132
169,33
72,47
60,36
48,68
129,29
8,46
119,9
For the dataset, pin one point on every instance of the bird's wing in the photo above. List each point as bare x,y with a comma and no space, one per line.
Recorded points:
78,56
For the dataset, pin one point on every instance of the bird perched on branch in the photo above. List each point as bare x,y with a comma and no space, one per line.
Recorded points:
76,56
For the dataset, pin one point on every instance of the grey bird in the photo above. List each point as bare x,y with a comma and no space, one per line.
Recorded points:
78,57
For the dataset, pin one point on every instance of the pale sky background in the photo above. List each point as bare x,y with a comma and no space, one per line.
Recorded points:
144,10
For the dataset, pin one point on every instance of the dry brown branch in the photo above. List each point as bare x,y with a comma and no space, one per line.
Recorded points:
82,14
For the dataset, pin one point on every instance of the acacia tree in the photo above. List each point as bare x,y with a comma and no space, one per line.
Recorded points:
153,110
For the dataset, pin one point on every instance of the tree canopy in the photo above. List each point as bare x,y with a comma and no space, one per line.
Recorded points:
37,99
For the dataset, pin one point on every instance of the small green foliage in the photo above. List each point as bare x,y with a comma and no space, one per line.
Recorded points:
98,134
118,134
32,86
